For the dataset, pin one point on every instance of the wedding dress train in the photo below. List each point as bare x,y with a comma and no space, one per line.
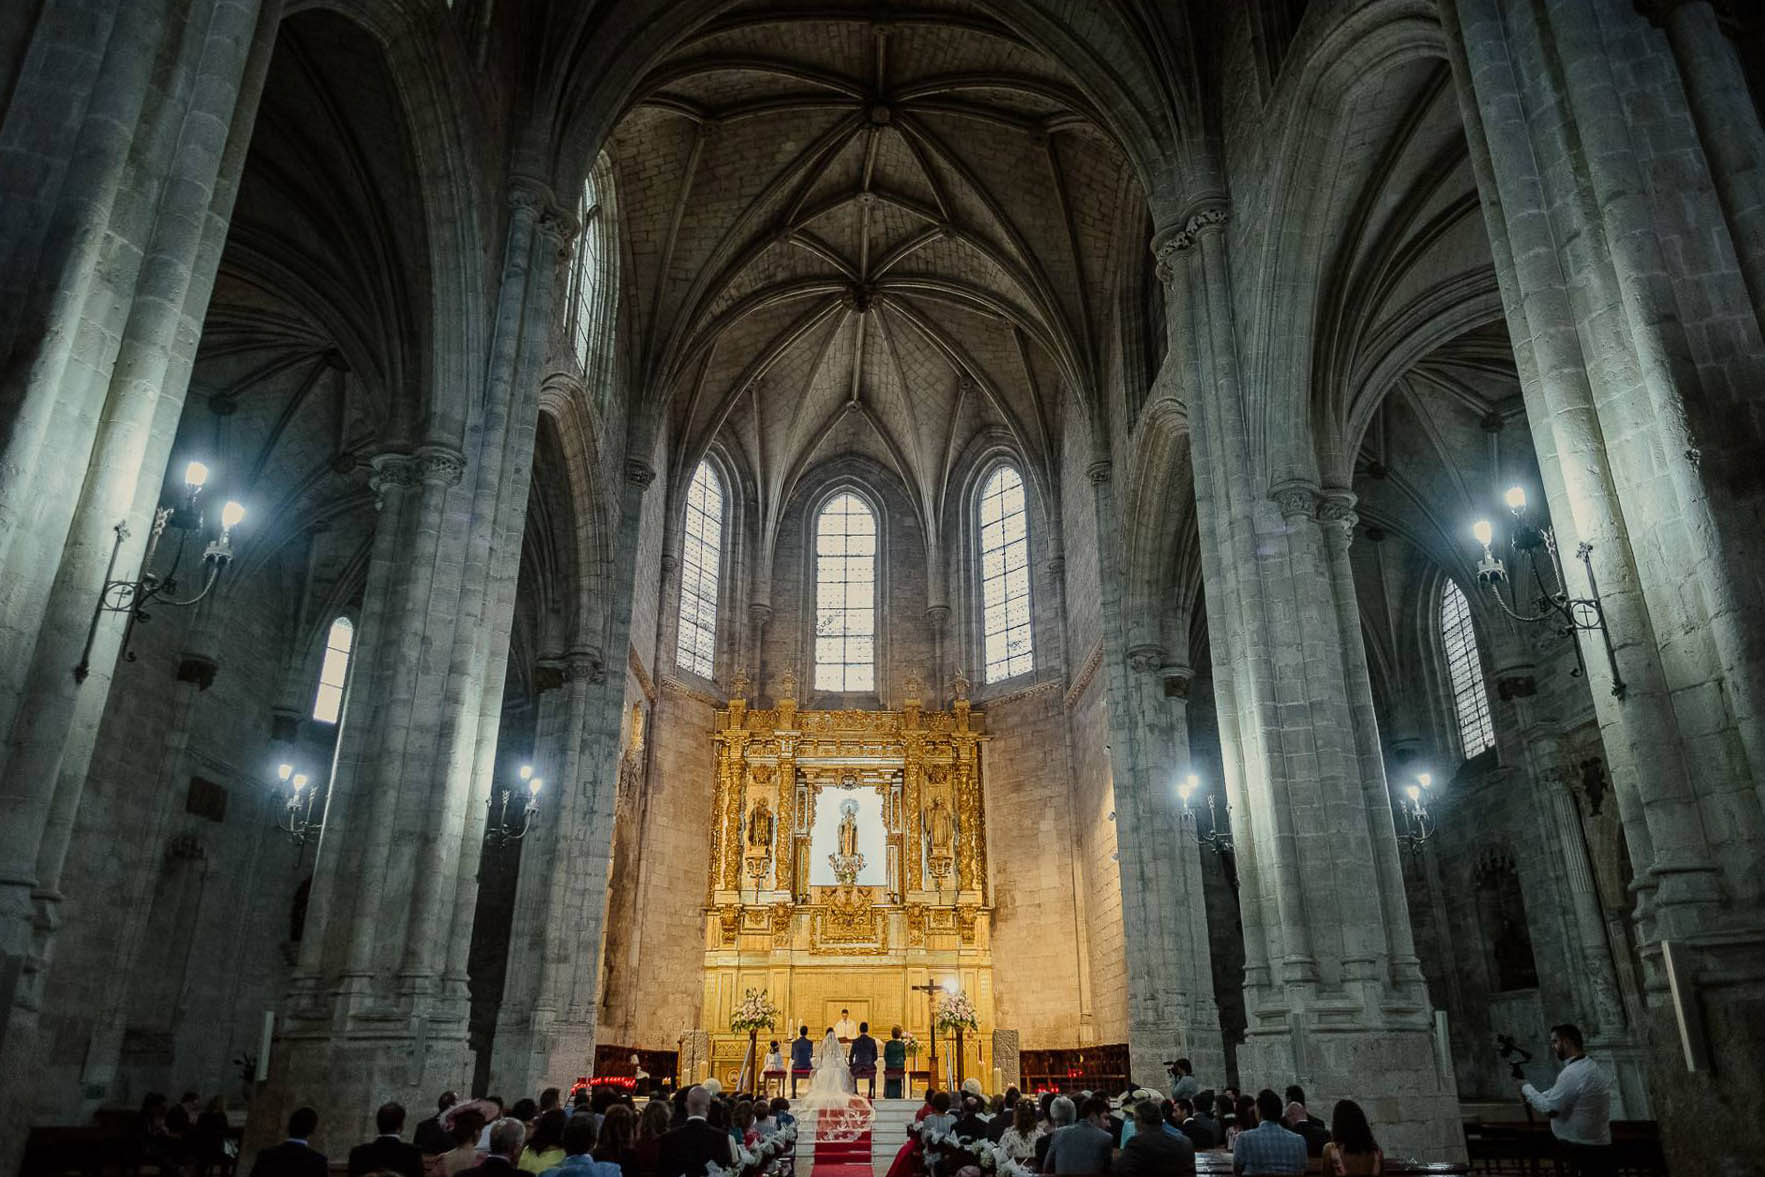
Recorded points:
840,1113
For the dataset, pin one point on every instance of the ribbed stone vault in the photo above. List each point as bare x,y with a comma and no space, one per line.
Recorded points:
854,235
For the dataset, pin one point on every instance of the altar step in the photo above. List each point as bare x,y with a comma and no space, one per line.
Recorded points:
887,1134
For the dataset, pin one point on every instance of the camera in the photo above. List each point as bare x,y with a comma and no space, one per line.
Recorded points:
1508,1049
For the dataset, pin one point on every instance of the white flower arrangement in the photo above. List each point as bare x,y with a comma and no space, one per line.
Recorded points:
756,1012
954,1010
911,1043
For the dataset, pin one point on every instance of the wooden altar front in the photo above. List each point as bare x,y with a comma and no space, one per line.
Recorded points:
816,945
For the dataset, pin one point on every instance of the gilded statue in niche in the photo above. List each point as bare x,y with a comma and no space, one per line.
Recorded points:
941,829
760,826
846,861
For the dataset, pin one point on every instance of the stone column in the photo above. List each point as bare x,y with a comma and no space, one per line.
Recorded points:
1171,1012
378,1005
1728,126
149,176
1642,458
1333,991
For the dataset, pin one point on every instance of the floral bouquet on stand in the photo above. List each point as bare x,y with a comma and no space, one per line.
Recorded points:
910,1043
956,1011
756,1012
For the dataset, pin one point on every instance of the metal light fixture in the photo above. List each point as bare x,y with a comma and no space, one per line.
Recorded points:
501,831
297,816
150,587
1553,605
1418,826
1217,838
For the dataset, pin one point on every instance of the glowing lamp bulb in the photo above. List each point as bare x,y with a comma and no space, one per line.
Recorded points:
526,772
533,786
1424,779
1516,498
284,771
231,514
1187,788
299,781
1483,531
949,984
1415,792
195,474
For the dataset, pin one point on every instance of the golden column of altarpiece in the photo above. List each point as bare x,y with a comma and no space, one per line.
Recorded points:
858,940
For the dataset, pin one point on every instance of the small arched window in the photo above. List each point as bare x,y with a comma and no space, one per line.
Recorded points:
334,671
1005,577
695,648
845,595
1464,670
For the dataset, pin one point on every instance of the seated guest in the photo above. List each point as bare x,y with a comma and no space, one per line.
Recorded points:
431,1138
940,1118
1188,1086
926,1107
1303,1122
526,1111
685,1151
1057,1112
294,1157
545,1148
578,1103
1243,1120
1168,1117
971,1125
467,1123
617,1142
1269,1149
1018,1141
1152,1151
506,1136
548,1099
1352,1151
802,1057
1081,1147
741,1124
651,1127
387,1152
578,1161
1202,1128
212,1138
781,1112
894,1063
764,1124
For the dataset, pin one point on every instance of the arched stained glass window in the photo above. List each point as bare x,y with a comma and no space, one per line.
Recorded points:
334,671
593,283
1465,671
845,596
695,648
1005,576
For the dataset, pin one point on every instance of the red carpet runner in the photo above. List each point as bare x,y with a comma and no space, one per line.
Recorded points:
846,1158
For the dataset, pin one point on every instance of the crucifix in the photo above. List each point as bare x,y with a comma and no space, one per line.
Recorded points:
930,989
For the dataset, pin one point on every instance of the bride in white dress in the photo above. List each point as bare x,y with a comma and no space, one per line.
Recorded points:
840,1112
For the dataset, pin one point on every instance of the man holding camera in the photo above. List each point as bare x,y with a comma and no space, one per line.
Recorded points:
1579,1105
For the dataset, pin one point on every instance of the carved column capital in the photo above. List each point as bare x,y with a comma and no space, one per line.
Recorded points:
1177,680
1146,659
585,665
1296,498
1336,512
1212,214
639,473
1099,472
440,465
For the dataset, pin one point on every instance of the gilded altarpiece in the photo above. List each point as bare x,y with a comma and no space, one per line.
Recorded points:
848,864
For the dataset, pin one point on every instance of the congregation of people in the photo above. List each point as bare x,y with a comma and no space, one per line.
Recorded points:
1141,1133
603,1134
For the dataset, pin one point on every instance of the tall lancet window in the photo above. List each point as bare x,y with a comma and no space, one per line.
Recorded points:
594,283
700,562
334,671
1005,576
1465,670
845,596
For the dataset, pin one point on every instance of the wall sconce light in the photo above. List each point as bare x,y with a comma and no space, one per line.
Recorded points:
1218,838
501,831
297,816
1418,826
148,587
1553,605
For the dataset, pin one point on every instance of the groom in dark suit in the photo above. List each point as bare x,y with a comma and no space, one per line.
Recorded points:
863,1060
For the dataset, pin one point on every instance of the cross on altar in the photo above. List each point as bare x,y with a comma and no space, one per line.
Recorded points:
930,989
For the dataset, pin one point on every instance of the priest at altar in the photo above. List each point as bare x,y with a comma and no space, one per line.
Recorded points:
845,1029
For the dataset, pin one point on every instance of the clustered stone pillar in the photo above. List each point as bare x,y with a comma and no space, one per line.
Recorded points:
1171,1011
1333,989
1604,210
378,1005
96,361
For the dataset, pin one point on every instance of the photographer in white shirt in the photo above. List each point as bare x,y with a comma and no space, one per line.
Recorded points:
1579,1105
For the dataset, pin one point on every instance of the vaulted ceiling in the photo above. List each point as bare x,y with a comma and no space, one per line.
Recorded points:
867,230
